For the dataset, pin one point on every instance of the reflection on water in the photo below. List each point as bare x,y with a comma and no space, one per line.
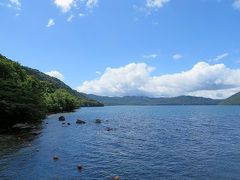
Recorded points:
147,142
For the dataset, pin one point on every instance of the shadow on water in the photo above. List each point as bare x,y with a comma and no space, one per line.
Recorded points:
13,141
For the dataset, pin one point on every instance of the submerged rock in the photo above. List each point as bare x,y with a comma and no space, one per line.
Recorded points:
116,178
21,126
68,124
61,118
35,132
98,121
80,121
109,129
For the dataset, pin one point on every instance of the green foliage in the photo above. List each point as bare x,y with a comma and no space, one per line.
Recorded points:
233,100
83,101
26,98
60,101
21,98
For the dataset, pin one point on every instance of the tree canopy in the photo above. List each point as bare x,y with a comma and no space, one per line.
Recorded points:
25,98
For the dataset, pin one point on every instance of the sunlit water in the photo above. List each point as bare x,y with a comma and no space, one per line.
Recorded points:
147,142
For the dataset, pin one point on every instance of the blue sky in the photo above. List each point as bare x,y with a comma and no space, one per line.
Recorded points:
128,47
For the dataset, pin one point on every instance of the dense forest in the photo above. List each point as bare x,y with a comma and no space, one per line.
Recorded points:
84,101
141,100
26,97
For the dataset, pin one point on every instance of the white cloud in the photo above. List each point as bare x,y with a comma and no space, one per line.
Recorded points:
91,3
236,4
216,81
98,72
150,56
50,22
156,3
219,57
70,18
15,2
55,74
76,5
65,5
177,56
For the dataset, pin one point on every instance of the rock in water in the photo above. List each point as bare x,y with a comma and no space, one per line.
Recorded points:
55,158
79,166
109,129
61,118
98,121
116,178
80,121
35,132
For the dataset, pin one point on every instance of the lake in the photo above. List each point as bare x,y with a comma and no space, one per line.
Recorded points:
144,143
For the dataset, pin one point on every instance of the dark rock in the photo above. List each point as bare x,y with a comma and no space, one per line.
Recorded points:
98,121
109,129
61,118
46,123
68,124
63,123
80,121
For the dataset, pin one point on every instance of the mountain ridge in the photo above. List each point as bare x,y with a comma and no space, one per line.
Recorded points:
232,100
144,100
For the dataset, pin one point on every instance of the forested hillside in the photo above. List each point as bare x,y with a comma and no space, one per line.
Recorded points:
233,100
84,101
26,98
141,100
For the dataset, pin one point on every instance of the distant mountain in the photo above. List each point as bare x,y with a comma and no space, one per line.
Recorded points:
233,100
142,100
84,101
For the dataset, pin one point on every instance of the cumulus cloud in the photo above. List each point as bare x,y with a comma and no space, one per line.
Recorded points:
156,3
236,4
98,72
177,56
216,81
150,56
55,74
50,22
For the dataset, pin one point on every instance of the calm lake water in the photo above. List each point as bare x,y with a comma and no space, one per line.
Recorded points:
147,142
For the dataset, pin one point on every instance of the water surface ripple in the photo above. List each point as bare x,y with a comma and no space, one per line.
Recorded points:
147,142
